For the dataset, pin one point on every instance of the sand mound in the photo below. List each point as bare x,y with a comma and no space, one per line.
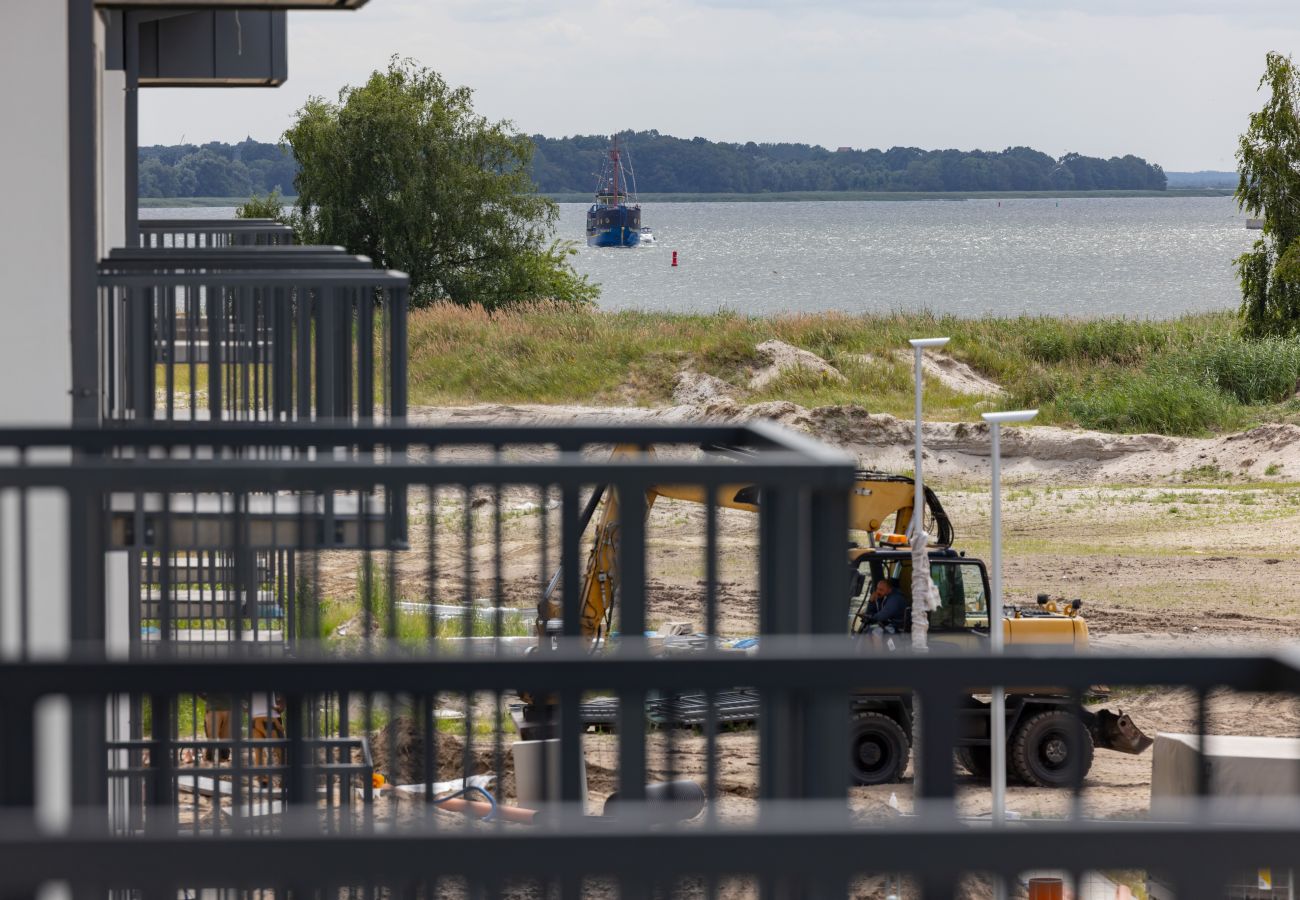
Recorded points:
698,388
782,357
951,373
955,374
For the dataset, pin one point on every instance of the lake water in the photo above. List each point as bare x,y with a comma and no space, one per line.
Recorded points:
1149,257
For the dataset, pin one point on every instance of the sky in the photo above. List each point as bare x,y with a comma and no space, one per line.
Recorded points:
1172,81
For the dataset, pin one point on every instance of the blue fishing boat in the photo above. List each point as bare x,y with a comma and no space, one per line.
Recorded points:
614,220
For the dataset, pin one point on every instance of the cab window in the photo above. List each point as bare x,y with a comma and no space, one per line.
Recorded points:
963,603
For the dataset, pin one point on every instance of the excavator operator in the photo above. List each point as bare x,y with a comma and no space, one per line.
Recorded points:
887,608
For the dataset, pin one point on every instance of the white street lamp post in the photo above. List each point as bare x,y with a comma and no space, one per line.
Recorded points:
919,346
998,725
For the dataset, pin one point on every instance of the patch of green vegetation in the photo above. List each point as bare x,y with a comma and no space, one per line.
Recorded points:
1188,376
1205,473
1148,401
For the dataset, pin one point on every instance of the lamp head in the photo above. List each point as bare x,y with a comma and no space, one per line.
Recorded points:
926,343
1010,418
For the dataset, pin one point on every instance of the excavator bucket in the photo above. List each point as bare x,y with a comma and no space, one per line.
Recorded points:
1117,732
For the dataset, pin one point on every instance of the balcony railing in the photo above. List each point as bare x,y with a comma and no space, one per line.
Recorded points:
209,233
495,514
243,337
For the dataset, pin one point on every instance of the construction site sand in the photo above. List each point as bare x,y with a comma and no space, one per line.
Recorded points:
1173,544
953,450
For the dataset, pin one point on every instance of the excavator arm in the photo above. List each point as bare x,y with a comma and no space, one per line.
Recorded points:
876,496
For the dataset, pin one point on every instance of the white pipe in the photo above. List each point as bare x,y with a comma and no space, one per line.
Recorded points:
918,493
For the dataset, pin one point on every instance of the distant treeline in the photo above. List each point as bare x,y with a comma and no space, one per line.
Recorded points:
216,170
1203,179
665,164
677,165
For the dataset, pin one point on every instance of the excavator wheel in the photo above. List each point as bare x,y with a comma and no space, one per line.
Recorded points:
879,749
976,760
1042,749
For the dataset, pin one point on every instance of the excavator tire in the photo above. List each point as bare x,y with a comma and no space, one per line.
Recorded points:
879,749
976,760
1041,748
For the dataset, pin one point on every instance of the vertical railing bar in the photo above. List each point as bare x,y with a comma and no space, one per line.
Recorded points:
629,593
1202,733
193,319
570,577
24,566
399,300
169,347
1076,760
365,300
214,300
467,622
431,566
305,310
467,568
498,566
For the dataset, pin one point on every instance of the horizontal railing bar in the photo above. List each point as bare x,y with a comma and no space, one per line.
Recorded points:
327,434
793,848
781,470
828,664
270,278
215,225
299,265
251,251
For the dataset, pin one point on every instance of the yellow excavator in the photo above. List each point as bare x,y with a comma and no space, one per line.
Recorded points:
1043,740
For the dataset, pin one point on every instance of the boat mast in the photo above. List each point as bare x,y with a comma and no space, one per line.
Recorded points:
613,154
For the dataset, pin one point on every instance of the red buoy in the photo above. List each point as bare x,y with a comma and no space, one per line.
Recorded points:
674,259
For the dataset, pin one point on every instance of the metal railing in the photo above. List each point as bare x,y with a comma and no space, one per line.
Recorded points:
236,258
184,338
495,514
209,233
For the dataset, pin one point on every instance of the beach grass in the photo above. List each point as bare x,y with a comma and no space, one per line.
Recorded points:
1186,376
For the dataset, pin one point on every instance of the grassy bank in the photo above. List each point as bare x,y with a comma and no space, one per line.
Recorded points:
1186,376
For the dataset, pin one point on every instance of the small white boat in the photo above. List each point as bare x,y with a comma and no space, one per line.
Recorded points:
647,236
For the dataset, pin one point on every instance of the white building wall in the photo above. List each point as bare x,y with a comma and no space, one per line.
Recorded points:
34,342
112,160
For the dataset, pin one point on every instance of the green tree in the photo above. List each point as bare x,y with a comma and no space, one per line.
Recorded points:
258,207
1268,158
404,171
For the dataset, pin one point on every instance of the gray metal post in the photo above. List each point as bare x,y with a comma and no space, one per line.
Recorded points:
998,730
997,712
131,49
83,209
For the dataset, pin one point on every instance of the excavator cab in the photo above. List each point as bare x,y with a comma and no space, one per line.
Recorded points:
962,584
